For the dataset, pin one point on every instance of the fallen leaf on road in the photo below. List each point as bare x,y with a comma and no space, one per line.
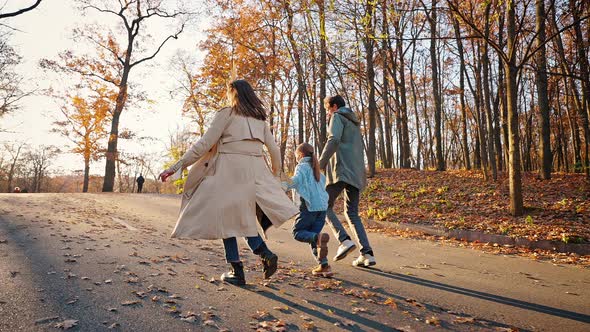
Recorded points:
113,326
46,320
462,320
209,323
130,302
139,294
359,309
260,314
66,324
433,321
390,302
348,323
309,325
207,315
414,302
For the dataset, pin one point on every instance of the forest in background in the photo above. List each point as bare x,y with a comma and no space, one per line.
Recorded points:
496,87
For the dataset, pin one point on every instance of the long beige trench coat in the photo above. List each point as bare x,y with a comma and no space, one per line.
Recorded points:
229,179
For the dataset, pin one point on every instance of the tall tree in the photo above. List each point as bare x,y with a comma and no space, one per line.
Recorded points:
463,106
369,41
295,54
432,18
323,70
84,124
14,151
132,15
11,92
543,100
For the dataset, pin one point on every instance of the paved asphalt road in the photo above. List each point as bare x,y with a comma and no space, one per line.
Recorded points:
107,262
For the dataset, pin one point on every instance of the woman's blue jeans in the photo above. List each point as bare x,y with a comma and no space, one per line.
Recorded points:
231,247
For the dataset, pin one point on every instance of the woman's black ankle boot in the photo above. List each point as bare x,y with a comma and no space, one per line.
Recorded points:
269,260
236,275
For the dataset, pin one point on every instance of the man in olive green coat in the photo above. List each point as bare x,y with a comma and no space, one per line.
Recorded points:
344,161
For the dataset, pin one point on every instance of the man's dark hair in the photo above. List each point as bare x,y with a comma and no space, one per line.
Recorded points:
337,99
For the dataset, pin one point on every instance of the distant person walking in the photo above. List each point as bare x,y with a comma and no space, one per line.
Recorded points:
344,161
310,185
229,189
140,180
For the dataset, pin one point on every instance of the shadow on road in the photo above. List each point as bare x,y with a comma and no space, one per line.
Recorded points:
479,322
484,296
319,315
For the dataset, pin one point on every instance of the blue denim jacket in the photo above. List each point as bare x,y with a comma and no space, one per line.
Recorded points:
313,192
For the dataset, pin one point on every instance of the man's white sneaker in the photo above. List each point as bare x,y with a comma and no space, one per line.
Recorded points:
344,249
365,260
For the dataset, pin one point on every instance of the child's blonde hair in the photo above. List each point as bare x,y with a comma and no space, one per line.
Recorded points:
306,150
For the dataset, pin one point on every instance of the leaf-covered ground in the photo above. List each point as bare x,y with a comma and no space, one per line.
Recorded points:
557,209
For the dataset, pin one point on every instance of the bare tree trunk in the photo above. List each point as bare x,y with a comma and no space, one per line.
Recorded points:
385,94
12,167
543,100
86,174
480,114
415,99
464,144
369,47
581,43
486,95
405,133
300,80
572,96
323,70
440,162
515,180
382,154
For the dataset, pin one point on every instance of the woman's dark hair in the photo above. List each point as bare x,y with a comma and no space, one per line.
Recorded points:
337,99
307,151
244,101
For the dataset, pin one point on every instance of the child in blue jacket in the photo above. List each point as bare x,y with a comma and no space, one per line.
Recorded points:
310,185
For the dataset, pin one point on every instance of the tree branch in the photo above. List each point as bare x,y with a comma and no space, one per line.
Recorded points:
495,46
18,12
175,36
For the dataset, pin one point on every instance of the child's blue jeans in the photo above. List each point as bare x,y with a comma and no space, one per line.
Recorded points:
307,226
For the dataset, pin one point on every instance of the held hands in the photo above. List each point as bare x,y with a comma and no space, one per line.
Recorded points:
165,174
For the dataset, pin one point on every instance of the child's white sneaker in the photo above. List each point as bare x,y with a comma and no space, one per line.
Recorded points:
365,260
344,249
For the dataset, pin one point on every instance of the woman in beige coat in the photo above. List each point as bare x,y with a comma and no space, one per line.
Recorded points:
230,190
